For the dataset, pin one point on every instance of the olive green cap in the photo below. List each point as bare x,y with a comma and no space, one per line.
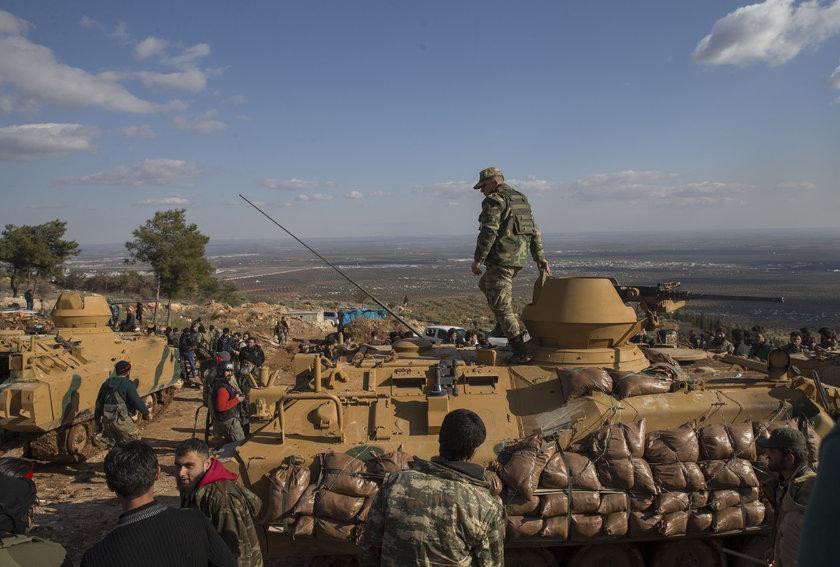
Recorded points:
486,175
783,438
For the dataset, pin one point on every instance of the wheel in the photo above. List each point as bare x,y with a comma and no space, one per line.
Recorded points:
530,557
686,553
78,440
607,555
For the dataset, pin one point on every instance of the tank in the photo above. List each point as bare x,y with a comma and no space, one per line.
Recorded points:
49,384
382,405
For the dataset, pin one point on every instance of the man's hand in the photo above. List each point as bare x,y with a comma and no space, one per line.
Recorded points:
476,268
543,264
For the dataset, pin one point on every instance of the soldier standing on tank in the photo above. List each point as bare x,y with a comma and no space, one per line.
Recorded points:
439,512
507,234
116,401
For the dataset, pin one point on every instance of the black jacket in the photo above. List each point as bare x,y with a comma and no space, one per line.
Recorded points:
254,355
187,342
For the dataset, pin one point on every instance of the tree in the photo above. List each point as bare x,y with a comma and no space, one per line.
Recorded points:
35,251
175,251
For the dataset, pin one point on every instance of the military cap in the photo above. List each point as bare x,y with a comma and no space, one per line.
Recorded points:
783,438
486,175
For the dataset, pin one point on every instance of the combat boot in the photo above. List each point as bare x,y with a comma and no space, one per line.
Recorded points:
520,351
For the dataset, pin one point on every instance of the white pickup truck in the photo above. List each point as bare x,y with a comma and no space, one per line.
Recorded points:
437,334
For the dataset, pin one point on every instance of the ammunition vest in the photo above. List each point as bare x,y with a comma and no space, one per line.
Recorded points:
114,408
519,219
232,412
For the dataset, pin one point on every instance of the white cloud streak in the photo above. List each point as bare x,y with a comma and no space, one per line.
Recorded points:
292,184
164,201
354,195
142,173
141,132
773,31
29,141
202,124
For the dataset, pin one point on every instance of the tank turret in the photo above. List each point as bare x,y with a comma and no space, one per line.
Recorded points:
72,311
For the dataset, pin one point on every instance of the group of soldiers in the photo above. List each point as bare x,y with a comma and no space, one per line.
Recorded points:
756,343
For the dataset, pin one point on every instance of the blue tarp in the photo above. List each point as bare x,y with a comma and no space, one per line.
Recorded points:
344,317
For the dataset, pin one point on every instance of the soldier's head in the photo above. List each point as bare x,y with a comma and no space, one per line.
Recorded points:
226,331
461,433
720,334
796,338
786,449
122,368
489,179
252,341
737,335
245,336
14,467
131,469
192,460
227,370
17,499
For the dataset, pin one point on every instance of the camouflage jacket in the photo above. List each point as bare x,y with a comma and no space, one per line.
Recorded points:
791,503
434,514
508,231
231,508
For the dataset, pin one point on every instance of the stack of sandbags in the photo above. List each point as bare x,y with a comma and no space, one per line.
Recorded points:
578,382
286,484
617,452
335,508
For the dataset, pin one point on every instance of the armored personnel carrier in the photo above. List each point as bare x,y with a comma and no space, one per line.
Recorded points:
49,384
604,452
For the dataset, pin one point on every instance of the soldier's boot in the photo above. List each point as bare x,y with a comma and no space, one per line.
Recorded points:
520,351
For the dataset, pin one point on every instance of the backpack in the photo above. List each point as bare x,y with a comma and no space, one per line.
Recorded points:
114,407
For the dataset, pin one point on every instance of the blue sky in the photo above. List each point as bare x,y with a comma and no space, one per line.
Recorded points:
373,118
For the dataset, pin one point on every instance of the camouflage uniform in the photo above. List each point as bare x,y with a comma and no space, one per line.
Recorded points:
507,234
791,502
434,514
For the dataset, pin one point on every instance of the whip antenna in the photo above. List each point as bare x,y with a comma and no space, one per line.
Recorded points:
334,267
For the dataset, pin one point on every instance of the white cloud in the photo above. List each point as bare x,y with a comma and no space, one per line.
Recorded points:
164,201
146,172
774,31
292,184
445,188
90,23
376,193
533,184
655,187
151,47
119,32
141,132
306,197
795,186
32,70
834,79
202,124
188,56
27,141
354,195
191,79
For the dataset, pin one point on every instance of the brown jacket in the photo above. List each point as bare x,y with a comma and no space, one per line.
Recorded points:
790,516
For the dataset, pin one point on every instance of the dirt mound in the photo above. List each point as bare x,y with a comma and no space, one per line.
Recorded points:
360,329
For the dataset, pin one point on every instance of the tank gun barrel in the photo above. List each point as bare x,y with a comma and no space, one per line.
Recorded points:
669,292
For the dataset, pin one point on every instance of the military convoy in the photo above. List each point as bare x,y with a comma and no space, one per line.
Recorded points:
49,384
602,450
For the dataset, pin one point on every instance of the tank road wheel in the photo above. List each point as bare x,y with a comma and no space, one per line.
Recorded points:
164,397
607,555
78,440
529,557
686,553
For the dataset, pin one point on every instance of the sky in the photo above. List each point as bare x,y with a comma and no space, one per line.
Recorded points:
373,118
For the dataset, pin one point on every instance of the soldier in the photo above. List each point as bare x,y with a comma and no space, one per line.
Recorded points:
226,405
186,347
207,485
139,307
441,511
282,331
116,401
828,338
742,348
794,344
719,344
29,297
787,452
508,233
762,346
808,341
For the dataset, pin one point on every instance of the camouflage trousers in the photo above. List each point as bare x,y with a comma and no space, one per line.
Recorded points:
119,430
231,430
497,286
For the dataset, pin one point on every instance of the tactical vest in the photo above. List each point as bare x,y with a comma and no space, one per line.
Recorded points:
232,412
519,220
114,408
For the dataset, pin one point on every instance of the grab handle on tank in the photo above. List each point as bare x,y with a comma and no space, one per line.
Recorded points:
309,396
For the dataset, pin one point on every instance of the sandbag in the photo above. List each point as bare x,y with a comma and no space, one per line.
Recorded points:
733,473
523,526
700,520
672,445
345,475
585,502
673,524
754,512
727,520
612,502
615,524
494,483
619,441
684,477
306,503
641,502
578,382
643,523
286,483
616,473
517,505
337,507
304,526
720,499
669,502
556,527
522,470
395,461
363,514
554,504
581,472
585,526
632,384
698,498
334,531
642,476
721,442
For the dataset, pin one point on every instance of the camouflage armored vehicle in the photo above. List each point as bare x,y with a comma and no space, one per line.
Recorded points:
603,452
49,384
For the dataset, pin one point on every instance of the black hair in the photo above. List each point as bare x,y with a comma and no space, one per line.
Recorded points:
737,335
800,455
796,334
461,433
226,330
13,467
193,444
201,328
131,469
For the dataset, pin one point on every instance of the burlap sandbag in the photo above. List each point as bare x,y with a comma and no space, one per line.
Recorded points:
720,499
363,514
395,461
578,382
733,473
306,503
329,530
643,523
346,475
727,520
285,486
673,524
523,526
615,473
304,526
721,442
632,384
524,465
585,502
642,477
698,498
615,525
669,502
672,445
517,505
684,477
337,507
555,504
755,513
641,502
585,526
556,527
612,502
581,472
619,441
494,483
700,520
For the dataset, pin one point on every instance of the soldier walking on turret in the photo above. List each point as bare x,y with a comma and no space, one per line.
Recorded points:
508,233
